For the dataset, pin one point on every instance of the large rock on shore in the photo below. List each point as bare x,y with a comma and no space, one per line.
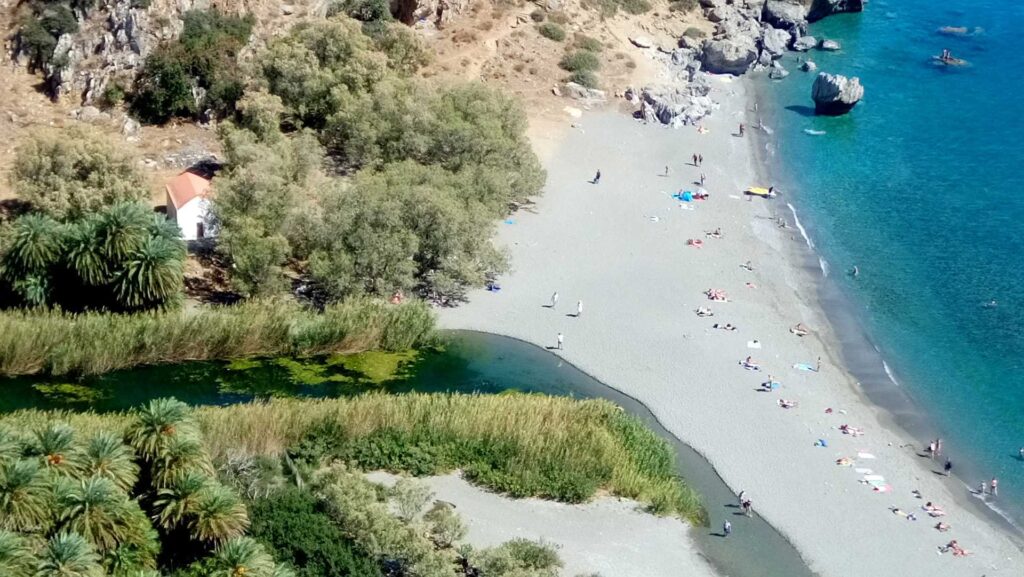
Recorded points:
730,55
674,105
822,8
775,41
790,15
805,43
834,94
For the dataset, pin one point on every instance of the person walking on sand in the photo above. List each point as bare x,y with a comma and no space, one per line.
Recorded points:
817,368
597,177
702,177
742,129
947,467
579,309
666,170
561,339
727,529
993,487
554,299
700,160
695,159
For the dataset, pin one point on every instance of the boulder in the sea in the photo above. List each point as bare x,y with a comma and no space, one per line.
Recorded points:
834,94
808,66
822,8
829,45
953,30
777,72
729,55
774,41
805,43
790,15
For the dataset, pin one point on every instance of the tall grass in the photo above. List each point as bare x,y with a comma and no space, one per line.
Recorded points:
59,343
522,445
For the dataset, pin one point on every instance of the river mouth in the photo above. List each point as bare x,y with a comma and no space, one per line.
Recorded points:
469,362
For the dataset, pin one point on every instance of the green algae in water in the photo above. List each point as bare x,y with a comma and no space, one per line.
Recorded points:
243,364
377,367
69,393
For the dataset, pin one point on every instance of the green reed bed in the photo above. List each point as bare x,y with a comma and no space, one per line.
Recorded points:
51,342
522,445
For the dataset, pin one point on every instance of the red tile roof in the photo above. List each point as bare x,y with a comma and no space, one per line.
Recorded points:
185,187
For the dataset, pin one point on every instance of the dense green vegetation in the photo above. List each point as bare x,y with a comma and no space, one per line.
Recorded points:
234,491
53,342
205,56
122,258
427,170
551,31
119,501
70,172
42,24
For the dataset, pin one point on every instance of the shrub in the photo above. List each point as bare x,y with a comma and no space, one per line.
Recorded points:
683,5
444,524
552,31
537,16
403,49
635,6
363,10
584,78
205,55
580,60
113,95
296,530
74,171
559,17
409,497
517,557
692,32
584,42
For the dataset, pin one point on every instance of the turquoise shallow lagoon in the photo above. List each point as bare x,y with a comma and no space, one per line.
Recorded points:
921,188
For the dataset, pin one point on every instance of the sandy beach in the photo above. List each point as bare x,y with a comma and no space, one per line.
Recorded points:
621,247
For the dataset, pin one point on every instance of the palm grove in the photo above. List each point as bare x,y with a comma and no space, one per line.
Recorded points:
343,170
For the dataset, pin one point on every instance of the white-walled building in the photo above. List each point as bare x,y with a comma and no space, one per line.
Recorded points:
189,206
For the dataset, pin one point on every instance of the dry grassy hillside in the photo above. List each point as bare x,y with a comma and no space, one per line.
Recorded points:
483,40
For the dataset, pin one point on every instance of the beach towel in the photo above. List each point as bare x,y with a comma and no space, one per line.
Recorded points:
883,489
509,221
821,443
863,470
873,478
805,367
865,455
753,344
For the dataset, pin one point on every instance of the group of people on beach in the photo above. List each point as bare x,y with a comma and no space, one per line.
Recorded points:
560,338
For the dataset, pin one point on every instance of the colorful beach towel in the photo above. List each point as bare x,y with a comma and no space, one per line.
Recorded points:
805,367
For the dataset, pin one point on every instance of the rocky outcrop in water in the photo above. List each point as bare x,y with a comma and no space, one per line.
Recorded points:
834,95
822,8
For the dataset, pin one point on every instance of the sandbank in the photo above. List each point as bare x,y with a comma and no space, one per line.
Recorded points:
620,247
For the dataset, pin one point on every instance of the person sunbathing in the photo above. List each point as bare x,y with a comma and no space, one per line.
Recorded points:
717,233
848,430
725,327
750,364
844,462
717,295
799,330
769,385
933,510
942,527
904,514
704,312
786,404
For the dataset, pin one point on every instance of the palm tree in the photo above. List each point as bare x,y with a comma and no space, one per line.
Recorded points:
84,253
10,446
152,274
68,555
242,557
56,445
122,229
107,456
179,498
15,557
34,244
180,453
137,553
157,423
24,496
95,509
219,515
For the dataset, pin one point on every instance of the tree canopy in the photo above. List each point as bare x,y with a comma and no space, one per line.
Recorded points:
73,171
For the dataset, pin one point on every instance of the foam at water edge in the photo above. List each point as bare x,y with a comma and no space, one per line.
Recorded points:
888,372
800,227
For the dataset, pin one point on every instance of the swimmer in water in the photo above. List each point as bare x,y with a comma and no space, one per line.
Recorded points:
991,304
854,272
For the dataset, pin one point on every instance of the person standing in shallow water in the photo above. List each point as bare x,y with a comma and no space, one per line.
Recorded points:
947,467
727,529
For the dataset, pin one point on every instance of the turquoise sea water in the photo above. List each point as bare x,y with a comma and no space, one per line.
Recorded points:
921,187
